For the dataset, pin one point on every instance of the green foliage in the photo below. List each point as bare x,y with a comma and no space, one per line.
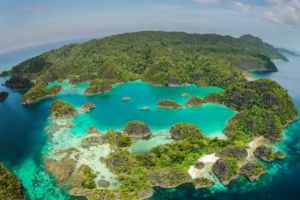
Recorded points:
182,131
137,129
117,138
264,93
226,169
61,109
40,92
194,101
202,183
98,86
132,175
10,186
253,170
255,121
239,138
158,57
88,177
234,151
168,103
19,83
264,108
215,97
170,177
4,73
265,153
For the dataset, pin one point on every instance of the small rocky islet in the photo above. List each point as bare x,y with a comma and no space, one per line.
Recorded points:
3,96
88,106
168,104
263,108
137,129
194,102
62,109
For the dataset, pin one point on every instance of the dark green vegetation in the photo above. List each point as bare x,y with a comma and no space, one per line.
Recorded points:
10,186
202,183
226,169
112,137
61,109
4,73
98,86
157,57
3,96
233,151
168,178
117,138
253,170
19,83
87,179
194,102
164,166
267,154
264,108
182,131
40,92
168,103
256,121
137,129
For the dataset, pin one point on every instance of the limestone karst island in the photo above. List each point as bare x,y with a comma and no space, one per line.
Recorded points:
134,100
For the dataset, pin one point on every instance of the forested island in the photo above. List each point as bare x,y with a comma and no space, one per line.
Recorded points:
10,186
163,58
263,107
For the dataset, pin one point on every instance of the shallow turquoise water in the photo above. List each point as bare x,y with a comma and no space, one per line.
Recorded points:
113,113
23,140
110,113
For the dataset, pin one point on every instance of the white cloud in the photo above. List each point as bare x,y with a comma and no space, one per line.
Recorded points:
277,11
241,6
284,11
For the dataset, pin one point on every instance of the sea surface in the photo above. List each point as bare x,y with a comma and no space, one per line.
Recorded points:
24,141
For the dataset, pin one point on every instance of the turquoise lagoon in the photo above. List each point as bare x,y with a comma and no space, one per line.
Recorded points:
113,113
110,113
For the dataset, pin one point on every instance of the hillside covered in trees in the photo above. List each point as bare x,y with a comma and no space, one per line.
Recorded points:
10,186
157,57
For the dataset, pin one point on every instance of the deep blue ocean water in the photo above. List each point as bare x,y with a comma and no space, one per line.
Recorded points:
21,143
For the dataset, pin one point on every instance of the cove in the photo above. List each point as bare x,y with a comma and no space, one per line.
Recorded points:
113,113
30,140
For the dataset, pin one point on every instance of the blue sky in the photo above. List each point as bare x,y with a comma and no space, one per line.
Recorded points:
32,22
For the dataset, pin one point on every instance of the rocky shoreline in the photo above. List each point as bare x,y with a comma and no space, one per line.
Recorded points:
10,186
3,96
168,104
